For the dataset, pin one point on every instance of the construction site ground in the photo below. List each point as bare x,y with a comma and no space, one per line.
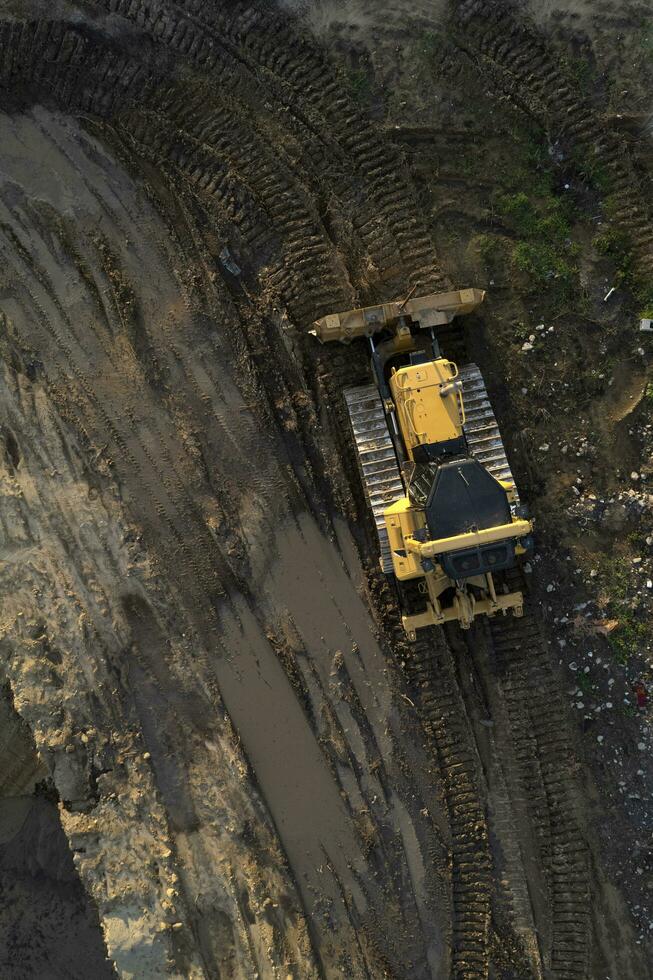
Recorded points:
219,755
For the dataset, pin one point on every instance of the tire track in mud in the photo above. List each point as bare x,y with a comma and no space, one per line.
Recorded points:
542,747
129,96
108,704
519,62
248,672
306,85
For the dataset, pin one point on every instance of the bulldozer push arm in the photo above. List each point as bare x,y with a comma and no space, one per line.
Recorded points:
427,312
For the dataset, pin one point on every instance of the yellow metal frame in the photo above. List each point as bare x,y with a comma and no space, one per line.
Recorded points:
471,539
402,521
464,609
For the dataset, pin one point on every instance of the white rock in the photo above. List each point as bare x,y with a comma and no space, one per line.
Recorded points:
550,587
641,746
634,475
527,346
599,738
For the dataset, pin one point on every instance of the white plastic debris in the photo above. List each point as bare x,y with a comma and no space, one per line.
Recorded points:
527,346
646,325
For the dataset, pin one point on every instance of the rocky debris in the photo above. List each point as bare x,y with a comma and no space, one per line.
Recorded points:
626,508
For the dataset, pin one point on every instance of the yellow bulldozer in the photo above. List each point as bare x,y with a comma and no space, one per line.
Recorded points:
433,465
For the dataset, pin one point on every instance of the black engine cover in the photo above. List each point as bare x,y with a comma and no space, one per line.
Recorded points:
461,496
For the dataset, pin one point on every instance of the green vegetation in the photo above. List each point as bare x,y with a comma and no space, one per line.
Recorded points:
360,84
490,248
545,253
429,46
617,245
590,169
584,683
582,72
542,264
632,634
646,40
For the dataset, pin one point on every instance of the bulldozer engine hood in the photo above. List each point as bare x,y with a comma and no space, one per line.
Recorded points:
458,496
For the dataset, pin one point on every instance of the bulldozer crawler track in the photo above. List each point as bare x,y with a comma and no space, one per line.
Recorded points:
481,427
376,459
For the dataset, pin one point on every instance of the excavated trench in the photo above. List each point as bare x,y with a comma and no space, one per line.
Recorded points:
254,774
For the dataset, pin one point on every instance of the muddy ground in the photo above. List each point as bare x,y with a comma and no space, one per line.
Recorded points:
220,757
